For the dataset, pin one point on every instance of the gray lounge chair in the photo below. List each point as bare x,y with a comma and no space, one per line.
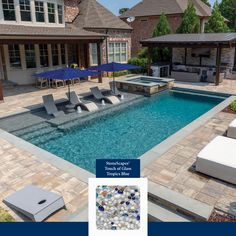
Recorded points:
35,203
50,106
75,100
99,96
114,89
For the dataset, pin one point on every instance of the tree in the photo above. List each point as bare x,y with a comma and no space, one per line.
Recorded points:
228,10
190,21
123,10
162,28
206,2
216,22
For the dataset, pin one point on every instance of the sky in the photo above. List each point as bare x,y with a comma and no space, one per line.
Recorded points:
115,5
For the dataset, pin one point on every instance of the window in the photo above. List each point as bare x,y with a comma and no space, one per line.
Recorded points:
118,52
30,56
55,54
63,54
39,11
94,54
60,14
43,49
8,10
14,56
51,12
25,10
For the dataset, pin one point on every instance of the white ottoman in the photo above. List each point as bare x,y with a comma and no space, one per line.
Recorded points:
231,133
218,159
34,202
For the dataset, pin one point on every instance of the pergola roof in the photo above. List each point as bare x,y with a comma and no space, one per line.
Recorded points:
180,40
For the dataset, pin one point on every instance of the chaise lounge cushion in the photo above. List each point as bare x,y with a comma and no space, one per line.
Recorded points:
218,159
232,130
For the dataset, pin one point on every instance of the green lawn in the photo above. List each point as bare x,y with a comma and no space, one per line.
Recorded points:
5,216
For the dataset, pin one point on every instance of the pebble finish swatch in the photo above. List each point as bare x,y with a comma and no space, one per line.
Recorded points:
118,207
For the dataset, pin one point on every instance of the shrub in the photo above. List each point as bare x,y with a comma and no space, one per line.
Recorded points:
143,62
5,217
233,106
119,73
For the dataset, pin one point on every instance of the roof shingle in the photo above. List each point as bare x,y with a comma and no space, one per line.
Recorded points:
20,30
157,7
94,16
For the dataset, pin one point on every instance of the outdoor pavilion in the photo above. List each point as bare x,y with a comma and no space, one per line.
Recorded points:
218,41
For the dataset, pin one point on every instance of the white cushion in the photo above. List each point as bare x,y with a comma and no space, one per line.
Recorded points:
232,130
218,159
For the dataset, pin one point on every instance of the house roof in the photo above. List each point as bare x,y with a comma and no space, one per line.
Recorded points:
67,32
93,15
157,7
180,39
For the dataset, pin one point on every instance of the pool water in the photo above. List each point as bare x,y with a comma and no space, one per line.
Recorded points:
131,132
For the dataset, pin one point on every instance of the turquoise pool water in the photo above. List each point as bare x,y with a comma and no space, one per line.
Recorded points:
130,132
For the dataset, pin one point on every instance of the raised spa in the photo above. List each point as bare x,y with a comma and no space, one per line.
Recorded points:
144,84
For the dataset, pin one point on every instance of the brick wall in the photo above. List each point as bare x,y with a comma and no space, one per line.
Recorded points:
143,28
71,10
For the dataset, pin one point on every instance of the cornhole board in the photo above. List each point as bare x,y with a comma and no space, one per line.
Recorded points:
35,203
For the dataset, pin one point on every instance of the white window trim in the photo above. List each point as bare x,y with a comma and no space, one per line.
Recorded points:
33,16
120,42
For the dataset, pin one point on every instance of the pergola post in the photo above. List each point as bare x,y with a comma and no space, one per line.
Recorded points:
99,61
1,91
218,64
150,50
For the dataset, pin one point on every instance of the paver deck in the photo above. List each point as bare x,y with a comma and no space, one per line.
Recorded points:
173,169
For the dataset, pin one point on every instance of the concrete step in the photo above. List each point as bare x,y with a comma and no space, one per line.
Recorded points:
162,214
180,203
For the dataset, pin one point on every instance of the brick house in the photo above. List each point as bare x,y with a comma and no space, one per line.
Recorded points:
92,16
41,35
146,14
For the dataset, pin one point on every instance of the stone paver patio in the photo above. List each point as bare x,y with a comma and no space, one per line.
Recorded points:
173,169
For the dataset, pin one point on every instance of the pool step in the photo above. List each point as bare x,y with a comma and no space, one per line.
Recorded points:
37,133
31,129
42,139
157,213
179,203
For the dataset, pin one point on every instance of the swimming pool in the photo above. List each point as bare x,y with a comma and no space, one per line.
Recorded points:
127,133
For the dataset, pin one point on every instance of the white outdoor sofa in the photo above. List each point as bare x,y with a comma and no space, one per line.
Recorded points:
218,159
231,133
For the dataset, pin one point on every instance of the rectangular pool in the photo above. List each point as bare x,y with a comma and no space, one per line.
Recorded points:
128,133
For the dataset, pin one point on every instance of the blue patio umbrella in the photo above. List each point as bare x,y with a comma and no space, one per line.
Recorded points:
65,74
114,67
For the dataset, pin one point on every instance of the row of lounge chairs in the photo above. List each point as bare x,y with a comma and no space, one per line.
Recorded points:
218,158
52,109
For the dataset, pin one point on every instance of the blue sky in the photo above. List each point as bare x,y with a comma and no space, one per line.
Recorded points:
115,5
